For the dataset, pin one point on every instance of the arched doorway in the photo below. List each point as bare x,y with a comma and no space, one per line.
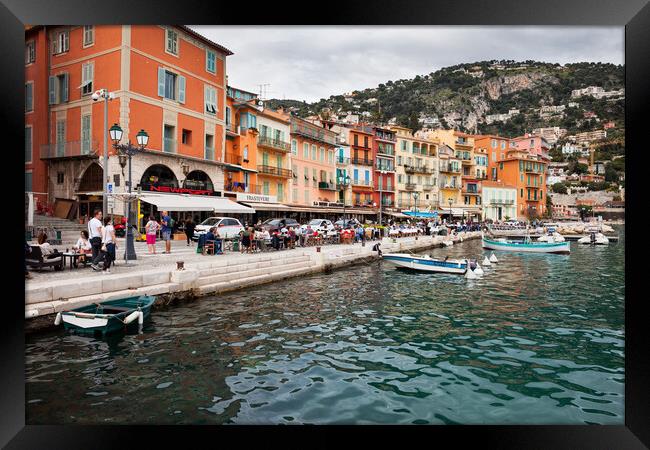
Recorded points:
91,181
158,175
198,179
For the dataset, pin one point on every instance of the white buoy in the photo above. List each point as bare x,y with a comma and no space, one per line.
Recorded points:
57,319
478,271
141,318
493,258
486,262
131,317
469,274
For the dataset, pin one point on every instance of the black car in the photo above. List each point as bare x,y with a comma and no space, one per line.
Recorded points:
277,224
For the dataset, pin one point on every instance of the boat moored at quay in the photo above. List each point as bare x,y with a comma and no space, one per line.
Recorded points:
526,246
426,263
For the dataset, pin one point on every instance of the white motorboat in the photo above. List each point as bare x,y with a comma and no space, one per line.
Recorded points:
551,237
594,239
426,263
526,245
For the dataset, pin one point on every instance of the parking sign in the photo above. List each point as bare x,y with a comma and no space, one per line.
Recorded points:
109,188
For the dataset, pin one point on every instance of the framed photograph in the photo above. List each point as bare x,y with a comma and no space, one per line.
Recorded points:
397,214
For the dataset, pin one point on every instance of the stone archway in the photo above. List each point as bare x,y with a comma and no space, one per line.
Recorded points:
91,180
159,175
198,179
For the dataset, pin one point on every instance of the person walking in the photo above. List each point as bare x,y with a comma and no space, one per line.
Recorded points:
108,244
166,231
189,229
95,233
151,228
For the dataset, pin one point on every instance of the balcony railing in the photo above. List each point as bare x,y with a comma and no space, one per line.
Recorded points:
358,182
326,186
409,168
449,168
342,161
314,133
472,191
410,186
387,201
384,187
276,171
275,144
73,149
427,186
169,145
209,153
498,201
385,167
362,203
362,161
390,151
385,136
233,158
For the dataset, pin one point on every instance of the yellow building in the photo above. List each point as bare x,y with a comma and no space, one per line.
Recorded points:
417,171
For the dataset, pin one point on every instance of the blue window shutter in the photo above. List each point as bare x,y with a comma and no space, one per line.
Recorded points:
181,89
161,82
64,93
356,174
52,89
28,97
367,175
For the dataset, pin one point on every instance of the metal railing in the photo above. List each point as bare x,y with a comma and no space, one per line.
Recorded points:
326,186
390,151
385,167
384,187
449,168
410,186
365,162
276,144
342,161
313,132
232,158
276,171
70,149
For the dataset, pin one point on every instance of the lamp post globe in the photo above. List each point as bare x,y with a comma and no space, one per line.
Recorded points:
143,138
116,133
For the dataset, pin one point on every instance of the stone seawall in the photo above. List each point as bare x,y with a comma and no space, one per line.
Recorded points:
209,277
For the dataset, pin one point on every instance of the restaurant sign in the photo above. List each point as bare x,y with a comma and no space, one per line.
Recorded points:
176,190
245,197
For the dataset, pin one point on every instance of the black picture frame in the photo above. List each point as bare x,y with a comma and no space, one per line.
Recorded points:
634,15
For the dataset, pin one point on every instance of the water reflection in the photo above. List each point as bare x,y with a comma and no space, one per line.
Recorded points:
538,339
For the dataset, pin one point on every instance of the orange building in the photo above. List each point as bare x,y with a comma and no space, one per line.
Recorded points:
495,147
384,141
528,175
313,164
167,80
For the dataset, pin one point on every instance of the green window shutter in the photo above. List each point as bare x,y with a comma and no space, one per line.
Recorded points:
29,96
52,90
265,159
181,89
28,144
161,82
85,134
66,84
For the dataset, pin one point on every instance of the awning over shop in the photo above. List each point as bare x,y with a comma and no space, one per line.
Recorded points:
423,214
180,202
396,214
267,206
454,211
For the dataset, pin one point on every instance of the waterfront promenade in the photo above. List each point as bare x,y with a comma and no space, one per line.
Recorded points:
49,292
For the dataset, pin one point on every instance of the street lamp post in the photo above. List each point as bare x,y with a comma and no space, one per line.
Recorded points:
104,94
450,211
345,182
128,150
416,195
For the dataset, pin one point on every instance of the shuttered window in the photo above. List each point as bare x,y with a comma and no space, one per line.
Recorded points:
87,74
210,61
171,85
60,138
210,100
30,52
29,96
28,144
89,35
61,42
85,134
172,42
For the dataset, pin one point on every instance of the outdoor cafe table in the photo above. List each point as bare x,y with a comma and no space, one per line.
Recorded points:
72,256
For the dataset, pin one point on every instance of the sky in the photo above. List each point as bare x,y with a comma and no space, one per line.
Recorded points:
310,63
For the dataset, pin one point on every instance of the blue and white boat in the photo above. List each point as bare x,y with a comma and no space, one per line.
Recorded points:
526,245
426,263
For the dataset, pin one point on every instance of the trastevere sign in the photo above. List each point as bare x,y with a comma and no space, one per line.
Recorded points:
256,198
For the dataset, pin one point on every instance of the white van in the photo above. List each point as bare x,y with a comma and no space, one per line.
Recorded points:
227,227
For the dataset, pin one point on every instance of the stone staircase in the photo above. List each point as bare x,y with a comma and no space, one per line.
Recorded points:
69,229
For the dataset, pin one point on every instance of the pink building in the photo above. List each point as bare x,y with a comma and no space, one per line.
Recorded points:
534,145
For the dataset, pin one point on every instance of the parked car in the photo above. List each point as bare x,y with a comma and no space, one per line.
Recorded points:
322,225
348,223
276,224
227,227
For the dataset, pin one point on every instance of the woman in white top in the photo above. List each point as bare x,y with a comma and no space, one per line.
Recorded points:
151,228
108,244
83,246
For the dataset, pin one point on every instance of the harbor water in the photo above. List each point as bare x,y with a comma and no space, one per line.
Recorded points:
539,339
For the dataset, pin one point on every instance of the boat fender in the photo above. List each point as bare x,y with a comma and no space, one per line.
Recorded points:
131,317
140,317
57,319
478,271
486,262
493,258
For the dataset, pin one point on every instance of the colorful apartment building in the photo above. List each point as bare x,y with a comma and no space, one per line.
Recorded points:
449,179
499,201
313,163
495,147
527,174
416,170
383,151
274,155
534,145
166,80
361,139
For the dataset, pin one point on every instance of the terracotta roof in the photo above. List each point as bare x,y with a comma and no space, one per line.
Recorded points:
204,39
